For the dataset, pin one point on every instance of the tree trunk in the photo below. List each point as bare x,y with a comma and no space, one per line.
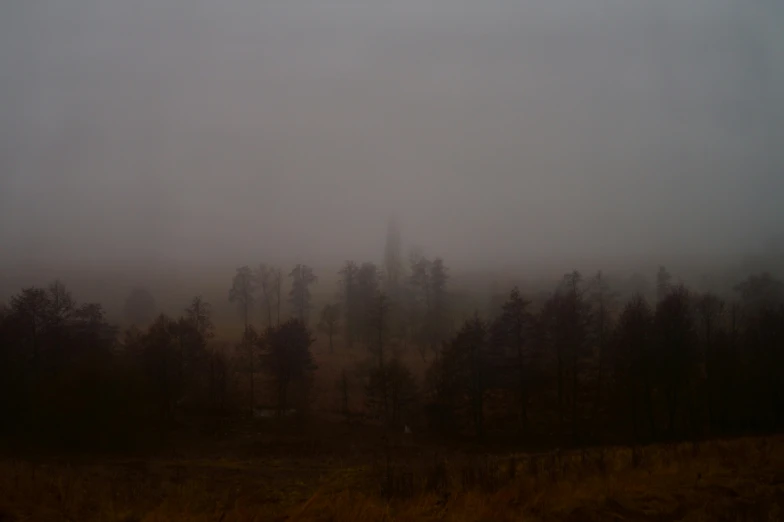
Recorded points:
633,413
252,391
344,393
479,416
282,392
269,308
521,380
560,391
649,407
250,371
599,378
672,402
574,397
277,300
212,379
245,314
709,376
180,366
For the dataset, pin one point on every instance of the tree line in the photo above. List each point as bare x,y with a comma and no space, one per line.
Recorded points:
582,368
578,366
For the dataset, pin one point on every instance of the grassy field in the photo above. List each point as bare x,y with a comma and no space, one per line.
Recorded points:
732,480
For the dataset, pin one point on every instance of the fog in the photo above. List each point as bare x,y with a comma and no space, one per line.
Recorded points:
203,133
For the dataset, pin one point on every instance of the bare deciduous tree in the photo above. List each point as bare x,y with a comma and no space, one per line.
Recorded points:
329,322
350,301
302,278
242,292
199,313
277,290
268,280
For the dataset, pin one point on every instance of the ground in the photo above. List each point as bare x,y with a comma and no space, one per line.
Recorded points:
368,480
317,468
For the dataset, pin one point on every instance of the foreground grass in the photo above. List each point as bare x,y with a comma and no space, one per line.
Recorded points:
736,480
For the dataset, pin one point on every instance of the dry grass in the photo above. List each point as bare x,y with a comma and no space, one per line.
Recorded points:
737,480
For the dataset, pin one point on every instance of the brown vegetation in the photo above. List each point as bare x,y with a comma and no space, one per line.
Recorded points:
734,480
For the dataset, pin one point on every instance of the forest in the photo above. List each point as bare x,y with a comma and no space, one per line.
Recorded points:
577,367
397,399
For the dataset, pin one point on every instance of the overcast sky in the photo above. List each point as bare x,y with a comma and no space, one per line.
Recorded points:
497,131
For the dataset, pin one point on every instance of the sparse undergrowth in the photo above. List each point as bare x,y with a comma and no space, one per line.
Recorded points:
734,480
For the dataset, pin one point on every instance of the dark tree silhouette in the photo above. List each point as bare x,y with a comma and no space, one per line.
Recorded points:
161,363
277,289
285,353
511,332
378,319
762,335
302,278
394,283
199,317
199,314
420,302
465,366
565,322
632,361
61,302
246,356
268,282
368,281
350,301
242,292
30,316
577,318
391,393
710,312
192,333
563,365
218,381
264,284
330,322
676,351
438,312
602,301
427,303
55,368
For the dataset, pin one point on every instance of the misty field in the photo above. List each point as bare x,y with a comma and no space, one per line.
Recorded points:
723,480
391,261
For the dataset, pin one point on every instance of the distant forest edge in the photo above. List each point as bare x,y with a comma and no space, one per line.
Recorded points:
580,364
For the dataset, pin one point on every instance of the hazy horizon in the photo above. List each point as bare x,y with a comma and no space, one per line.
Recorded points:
202,134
